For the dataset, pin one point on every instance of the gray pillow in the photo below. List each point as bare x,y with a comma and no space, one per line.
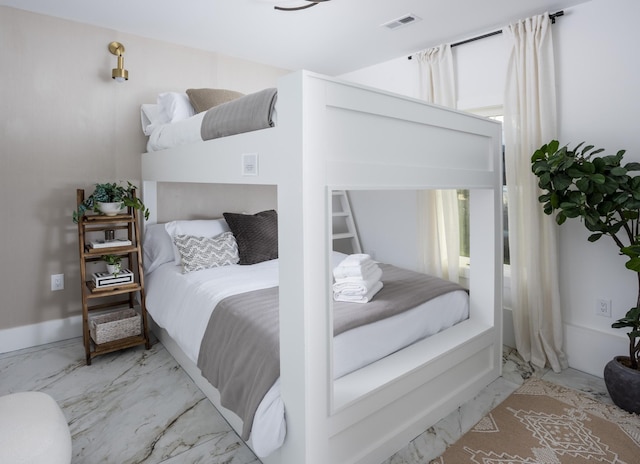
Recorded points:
204,99
199,253
256,235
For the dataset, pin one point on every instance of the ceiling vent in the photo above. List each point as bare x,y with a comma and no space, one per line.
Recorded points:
400,22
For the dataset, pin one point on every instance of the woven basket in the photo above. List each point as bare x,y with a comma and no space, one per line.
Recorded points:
114,326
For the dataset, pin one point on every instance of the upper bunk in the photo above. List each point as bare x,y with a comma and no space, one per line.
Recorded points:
361,137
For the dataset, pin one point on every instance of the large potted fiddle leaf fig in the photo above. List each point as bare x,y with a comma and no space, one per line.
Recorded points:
604,193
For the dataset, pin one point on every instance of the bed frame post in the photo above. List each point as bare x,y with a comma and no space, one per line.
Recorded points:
150,198
304,330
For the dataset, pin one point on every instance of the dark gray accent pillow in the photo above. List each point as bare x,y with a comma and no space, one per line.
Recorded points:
204,99
256,235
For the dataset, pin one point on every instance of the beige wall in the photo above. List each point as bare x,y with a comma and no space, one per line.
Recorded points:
65,124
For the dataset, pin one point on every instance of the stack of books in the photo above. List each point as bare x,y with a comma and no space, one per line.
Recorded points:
104,279
118,242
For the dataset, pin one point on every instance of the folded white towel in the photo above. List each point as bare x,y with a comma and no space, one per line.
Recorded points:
355,272
357,259
359,266
359,299
353,286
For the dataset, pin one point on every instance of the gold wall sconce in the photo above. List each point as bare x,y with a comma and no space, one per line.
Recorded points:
119,74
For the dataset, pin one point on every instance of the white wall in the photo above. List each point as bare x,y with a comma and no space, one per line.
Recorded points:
65,124
598,101
390,237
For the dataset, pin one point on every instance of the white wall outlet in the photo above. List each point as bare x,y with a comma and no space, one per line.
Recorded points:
603,307
249,164
57,282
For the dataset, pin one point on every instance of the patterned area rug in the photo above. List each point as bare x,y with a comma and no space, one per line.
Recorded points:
543,423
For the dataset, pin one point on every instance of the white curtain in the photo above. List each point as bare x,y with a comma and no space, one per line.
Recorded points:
529,122
438,209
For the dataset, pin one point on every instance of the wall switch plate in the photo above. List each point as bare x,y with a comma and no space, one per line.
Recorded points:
603,307
249,164
57,282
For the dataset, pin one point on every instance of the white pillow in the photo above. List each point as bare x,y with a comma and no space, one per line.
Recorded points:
151,117
157,247
196,228
176,106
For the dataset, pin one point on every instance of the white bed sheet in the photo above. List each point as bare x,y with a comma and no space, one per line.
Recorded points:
176,133
183,132
182,304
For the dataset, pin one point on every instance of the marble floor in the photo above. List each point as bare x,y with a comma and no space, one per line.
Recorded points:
139,406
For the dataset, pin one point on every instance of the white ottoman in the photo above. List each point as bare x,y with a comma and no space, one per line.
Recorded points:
33,429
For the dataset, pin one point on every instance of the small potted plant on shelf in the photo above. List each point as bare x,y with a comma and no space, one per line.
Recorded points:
114,264
602,192
109,199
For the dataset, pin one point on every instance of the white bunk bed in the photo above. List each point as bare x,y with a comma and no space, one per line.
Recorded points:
334,135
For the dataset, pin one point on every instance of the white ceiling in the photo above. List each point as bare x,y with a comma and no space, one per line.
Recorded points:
333,37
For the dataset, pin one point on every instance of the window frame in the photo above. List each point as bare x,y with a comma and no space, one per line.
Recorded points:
495,112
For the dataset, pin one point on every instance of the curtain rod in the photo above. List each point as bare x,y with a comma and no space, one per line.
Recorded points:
491,34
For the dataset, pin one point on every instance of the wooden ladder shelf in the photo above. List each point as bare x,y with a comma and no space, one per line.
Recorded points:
110,300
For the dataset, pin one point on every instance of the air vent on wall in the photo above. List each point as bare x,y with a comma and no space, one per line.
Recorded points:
403,21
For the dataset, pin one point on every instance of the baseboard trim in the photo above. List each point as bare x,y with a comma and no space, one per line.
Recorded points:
589,350
27,336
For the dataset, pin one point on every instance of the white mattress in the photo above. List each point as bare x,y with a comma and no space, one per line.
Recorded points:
182,304
183,132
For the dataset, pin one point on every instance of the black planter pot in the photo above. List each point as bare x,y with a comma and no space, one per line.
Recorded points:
623,384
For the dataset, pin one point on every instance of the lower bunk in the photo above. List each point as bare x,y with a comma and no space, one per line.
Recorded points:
432,351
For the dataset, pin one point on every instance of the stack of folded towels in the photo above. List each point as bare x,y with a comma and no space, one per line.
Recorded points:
357,279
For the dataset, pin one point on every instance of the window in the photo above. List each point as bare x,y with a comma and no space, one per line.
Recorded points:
463,202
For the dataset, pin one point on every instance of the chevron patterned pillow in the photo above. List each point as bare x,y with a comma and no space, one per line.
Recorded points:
198,253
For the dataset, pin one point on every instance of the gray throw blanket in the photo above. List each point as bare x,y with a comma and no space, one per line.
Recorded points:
239,353
245,114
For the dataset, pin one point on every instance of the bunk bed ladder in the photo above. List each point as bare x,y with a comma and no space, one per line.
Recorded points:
344,227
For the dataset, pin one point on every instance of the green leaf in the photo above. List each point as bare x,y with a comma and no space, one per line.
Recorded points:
619,198
609,186
592,218
632,166
594,237
584,185
552,147
585,149
604,208
631,250
575,173
561,218
594,198
587,167
633,314
562,182
545,181
633,264
576,197
621,324
611,160
598,178
572,212
618,171
538,155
